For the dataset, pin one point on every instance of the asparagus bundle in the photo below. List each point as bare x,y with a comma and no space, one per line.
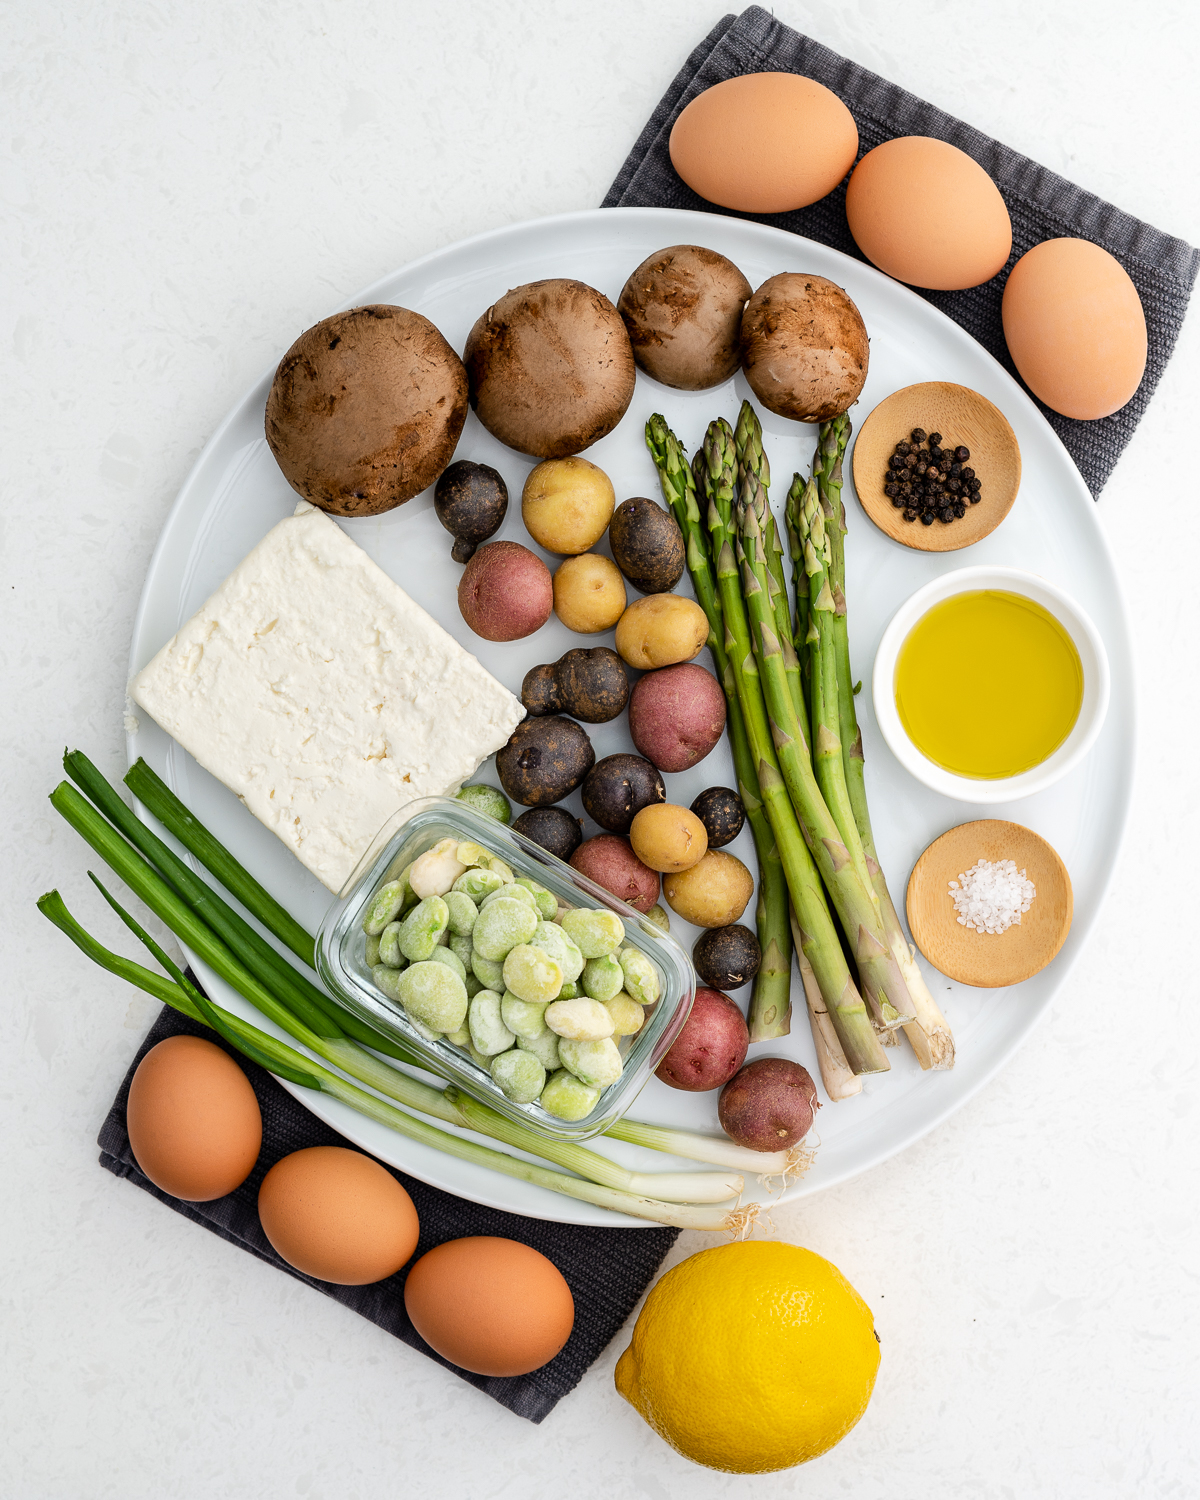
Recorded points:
770,1002
928,1031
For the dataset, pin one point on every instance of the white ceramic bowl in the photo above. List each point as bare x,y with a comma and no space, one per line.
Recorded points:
1092,710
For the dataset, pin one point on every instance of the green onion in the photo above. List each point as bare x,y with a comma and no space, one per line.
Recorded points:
285,1062
153,793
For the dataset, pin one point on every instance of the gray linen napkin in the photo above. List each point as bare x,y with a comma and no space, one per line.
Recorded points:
1042,205
606,1269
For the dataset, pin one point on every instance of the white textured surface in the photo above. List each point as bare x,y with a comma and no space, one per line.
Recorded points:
187,186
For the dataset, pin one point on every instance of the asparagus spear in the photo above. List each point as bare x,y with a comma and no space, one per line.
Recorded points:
928,1032
818,935
752,461
770,1000
849,890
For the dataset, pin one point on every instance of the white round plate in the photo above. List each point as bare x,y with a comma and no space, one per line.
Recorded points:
236,493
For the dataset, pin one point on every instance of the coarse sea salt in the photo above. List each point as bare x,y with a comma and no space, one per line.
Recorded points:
991,897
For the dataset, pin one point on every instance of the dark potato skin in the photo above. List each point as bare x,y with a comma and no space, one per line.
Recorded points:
587,683
618,787
553,828
804,347
365,410
611,863
550,368
683,308
710,1048
727,957
647,546
720,810
471,501
769,1105
544,761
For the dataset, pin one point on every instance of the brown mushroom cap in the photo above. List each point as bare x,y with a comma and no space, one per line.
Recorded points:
683,309
804,347
550,368
366,409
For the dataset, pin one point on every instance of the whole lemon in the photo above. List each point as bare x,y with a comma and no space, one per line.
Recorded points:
751,1357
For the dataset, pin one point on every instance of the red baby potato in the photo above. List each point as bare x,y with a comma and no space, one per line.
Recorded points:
710,1048
610,861
677,715
505,592
769,1106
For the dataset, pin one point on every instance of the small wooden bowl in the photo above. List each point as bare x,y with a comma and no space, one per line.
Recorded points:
962,416
989,960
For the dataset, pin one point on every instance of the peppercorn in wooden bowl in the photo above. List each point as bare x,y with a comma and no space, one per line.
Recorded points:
912,478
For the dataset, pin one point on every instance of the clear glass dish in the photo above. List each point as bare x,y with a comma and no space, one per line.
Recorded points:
341,960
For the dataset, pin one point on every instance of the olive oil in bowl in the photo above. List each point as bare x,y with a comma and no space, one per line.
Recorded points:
988,684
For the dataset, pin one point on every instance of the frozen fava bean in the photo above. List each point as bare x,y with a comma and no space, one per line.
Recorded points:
568,1098
426,1031
524,1018
462,912
595,1063
471,854
602,977
474,984
547,903
627,1015
544,1047
594,931
551,939
583,1020
482,1059
388,980
435,872
512,892
463,946
383,907
451,959
641,979
372,952
488,800
388,946
461,1037
570,990
489,970
501,925
658,916
477,884
489,1034
433,994
420,930
519,1075
531,974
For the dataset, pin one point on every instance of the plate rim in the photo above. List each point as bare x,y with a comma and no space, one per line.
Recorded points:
926,310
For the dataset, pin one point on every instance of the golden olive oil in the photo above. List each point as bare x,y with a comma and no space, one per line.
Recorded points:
988,684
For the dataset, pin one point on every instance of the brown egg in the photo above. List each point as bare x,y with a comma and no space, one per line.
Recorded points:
1075,328
928,214
491,1306
194,1123
764,143
337,1215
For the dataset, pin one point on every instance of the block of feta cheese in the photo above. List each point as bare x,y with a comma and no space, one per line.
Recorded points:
320,693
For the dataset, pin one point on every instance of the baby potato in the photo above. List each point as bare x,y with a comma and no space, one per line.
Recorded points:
589,593
713,893
659,630
567,504
668,838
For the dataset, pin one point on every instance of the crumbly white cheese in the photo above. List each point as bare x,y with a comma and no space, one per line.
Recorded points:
320,693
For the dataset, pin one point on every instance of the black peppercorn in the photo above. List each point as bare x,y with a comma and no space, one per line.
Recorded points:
934,439
927,518
962,454
968,473
902,448
918,434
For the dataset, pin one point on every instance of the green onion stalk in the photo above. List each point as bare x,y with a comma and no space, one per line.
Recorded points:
770,1000
840,1080
286,1062
820,939
928,1032
848,887
316,1026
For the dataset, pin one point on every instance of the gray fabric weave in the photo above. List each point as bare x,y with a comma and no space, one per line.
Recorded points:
1042,205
